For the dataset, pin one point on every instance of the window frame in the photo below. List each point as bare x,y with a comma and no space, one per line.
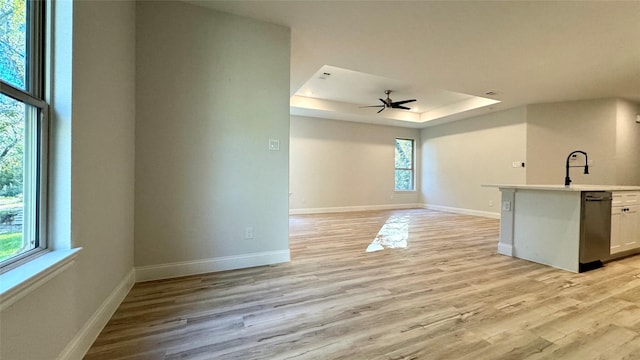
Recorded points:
34,96
411,169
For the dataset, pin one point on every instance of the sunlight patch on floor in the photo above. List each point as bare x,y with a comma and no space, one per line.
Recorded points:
394,234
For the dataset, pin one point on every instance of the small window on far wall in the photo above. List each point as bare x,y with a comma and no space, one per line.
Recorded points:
404,165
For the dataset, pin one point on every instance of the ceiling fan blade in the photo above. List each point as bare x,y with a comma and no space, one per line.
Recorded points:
402,102
388,103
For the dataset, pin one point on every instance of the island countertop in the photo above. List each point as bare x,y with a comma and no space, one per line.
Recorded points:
579,188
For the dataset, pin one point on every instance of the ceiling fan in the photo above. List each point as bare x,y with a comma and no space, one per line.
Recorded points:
388,103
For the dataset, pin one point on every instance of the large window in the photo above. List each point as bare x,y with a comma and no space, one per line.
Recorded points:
23,131
404,165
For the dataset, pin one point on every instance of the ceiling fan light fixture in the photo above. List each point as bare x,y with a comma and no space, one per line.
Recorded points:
388,103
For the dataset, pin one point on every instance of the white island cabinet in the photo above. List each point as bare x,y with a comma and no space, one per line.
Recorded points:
542,223
625,221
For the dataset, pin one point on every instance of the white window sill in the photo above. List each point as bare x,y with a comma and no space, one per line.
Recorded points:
18,282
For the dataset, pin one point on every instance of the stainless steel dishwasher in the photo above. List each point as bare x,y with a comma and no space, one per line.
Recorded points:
595,229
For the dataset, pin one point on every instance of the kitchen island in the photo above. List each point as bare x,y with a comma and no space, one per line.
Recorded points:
542,223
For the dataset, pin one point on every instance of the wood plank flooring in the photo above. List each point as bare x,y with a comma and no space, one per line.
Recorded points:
448,295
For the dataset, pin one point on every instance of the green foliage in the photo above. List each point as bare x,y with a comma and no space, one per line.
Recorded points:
13,51
11,146
404,180
13,44
10,244
404,154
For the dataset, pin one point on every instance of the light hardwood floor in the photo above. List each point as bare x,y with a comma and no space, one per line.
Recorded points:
448,295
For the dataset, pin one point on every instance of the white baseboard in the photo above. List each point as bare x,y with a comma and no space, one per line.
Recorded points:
80,344
184,268
486,214
353,208
505,249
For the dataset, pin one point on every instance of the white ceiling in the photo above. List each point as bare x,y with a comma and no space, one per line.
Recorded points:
334,83
338,93
526,52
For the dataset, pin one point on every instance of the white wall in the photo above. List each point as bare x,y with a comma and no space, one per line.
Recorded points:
339,164
94,135
556,129
627,143
460,156
212,89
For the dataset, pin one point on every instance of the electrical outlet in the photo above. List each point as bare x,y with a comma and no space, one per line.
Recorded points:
248,232
506,206
490,202
274,144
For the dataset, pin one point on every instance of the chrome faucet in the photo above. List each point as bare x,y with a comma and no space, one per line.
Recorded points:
567,179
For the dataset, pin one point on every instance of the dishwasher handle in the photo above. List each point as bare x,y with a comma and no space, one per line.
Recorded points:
601,198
